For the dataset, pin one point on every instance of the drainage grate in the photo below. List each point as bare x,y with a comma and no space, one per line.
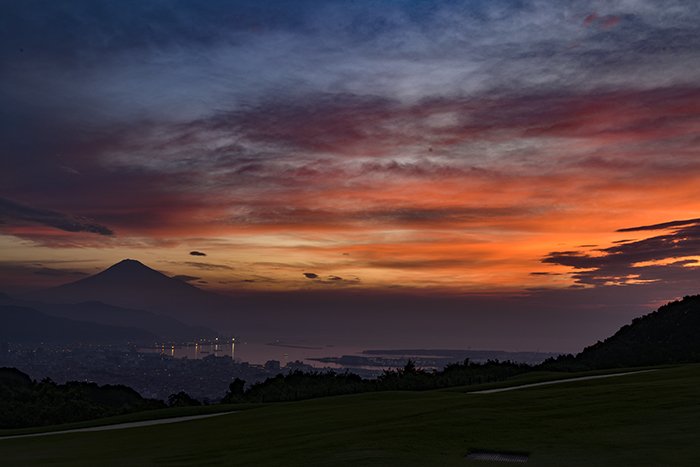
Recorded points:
497,456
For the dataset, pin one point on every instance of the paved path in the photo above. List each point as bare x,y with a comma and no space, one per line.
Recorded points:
558,381
121,426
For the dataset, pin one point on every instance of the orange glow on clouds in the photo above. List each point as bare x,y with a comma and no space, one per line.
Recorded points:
462,195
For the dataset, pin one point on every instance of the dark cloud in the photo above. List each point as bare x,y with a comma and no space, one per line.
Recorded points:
209,266
20,276
124,196
358,125
625,240
322,122
661,226
662,258
13,213
186,278
413,215
332,280
197,253
417,264
288,215
58,272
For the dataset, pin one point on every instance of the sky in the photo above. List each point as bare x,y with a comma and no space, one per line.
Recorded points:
462,149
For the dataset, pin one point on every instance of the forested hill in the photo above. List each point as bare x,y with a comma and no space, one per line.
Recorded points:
24,402
669,335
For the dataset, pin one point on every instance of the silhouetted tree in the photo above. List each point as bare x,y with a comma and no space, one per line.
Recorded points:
301,385
182,399
25,403
235,393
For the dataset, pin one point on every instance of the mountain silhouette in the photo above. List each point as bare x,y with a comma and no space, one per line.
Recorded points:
666,336
132,284
102,313
130,274
26,325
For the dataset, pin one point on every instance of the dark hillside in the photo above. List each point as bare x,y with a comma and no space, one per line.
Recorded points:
669,335
25,403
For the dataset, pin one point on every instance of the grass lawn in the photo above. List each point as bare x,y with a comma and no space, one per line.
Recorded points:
545,376
131,417
643,419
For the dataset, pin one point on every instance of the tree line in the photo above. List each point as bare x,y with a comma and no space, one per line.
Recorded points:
27,403
298,385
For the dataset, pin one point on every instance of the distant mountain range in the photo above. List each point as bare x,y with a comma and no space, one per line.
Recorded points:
102,313
26,325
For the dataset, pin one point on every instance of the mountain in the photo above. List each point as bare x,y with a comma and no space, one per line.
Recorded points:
26,325
102,313
668,335
131,284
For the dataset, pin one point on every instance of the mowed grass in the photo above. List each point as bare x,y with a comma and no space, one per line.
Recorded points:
643,419
156,414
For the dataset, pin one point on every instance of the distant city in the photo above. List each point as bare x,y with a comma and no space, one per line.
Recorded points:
152,374
204,368
196,349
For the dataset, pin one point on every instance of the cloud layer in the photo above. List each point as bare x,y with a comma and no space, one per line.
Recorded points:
442,145
14,214
673,257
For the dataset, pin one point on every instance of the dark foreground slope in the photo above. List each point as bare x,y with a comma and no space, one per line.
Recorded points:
646,419
667,336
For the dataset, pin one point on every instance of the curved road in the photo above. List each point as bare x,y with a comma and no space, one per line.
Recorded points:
121,426
558,381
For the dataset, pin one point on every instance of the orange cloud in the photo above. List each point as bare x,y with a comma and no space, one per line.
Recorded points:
463,194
